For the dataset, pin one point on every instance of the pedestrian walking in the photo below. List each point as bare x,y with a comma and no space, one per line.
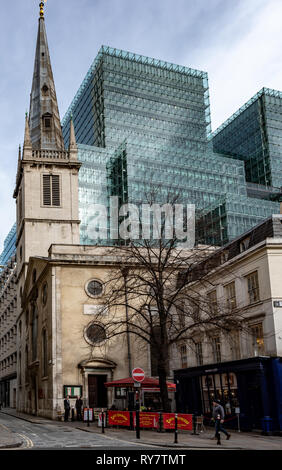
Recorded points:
67,408
78,407
218,416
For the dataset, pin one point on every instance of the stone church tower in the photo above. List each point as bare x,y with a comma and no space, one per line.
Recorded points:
47,177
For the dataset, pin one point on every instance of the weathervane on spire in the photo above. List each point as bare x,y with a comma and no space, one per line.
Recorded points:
41,5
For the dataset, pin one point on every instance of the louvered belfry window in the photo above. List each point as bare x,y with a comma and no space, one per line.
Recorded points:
51,190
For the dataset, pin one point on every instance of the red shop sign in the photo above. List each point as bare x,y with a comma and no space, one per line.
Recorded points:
147,420
184,421
119,418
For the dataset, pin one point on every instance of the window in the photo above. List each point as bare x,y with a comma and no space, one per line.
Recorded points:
253,287
244,244
94,288
45,90
44,293
216,346
47,118
224,256
231,295
95,334
199,354
257,339
51,190
212,301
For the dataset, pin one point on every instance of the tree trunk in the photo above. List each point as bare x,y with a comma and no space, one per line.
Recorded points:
162,371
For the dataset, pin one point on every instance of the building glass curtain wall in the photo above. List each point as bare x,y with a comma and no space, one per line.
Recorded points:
9,246
160,113
254,135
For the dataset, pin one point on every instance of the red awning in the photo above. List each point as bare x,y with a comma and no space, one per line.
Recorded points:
148,383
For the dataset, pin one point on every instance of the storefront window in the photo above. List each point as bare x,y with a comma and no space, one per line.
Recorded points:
221,387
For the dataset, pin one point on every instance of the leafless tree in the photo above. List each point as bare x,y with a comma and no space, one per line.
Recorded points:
155,293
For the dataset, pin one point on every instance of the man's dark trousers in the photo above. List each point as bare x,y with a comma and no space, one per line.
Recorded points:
218,429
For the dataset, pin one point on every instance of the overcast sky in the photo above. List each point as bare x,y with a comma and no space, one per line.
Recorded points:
238,42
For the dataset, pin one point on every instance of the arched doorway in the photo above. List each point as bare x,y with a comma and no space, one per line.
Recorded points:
95,373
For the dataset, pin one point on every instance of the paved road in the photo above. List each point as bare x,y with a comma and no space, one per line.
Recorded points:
58,436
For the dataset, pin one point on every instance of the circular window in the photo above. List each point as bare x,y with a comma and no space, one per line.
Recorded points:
94,288
44,293
95,334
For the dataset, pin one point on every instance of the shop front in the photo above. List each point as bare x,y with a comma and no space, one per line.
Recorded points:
250,389
148,394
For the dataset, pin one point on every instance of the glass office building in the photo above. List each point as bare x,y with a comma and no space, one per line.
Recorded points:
254,135
142,123
9,246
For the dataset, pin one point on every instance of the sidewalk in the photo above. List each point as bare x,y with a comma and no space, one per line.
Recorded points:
186,440
8,439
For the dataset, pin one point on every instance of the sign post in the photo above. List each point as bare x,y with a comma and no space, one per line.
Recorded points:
138,376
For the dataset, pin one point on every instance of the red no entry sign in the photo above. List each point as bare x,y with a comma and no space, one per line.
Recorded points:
138,374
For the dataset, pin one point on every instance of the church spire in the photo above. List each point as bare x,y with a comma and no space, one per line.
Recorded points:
44,118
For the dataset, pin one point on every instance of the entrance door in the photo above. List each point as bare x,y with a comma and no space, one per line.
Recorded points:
97,392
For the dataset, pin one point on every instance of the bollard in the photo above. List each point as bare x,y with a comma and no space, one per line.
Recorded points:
103,427
159,428
72,414
195,425
175,430
88,422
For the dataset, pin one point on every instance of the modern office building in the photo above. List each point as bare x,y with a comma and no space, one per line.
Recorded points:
152,119
9,246
254,135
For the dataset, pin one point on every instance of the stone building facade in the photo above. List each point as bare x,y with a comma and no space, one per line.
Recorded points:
63,341
243,367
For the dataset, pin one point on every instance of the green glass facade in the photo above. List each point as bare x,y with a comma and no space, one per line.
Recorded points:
254,135
140,124
9,247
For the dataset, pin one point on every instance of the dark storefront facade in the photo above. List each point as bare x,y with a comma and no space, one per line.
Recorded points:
251,387
8,391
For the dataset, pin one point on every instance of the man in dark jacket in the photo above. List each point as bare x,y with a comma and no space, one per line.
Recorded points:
67,408
218,416
78,406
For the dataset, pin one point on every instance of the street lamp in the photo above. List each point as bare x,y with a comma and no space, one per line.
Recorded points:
124,273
